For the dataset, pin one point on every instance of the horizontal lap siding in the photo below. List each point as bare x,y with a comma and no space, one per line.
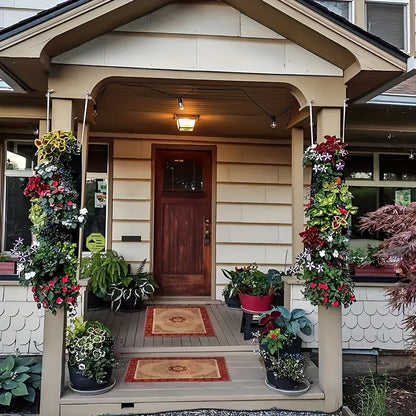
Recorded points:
254,213
132,199
253,209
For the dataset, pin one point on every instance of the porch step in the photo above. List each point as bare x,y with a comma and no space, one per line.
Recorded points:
246,391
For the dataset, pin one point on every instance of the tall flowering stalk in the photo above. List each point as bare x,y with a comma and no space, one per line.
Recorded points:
49,264
323,264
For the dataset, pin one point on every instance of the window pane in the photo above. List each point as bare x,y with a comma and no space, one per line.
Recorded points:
341,8
20,156
397,168
96,203
182,175
367,200
17,210
359,167
388,22
97,158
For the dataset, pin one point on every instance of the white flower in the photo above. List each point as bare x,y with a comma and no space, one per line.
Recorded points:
19,268
80,218
329,239
322,253
83,211
29,275
81,367
335,253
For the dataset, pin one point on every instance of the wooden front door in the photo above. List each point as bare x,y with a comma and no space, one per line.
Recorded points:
182,251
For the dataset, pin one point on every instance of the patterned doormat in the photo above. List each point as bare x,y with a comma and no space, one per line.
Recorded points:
177,369
176,321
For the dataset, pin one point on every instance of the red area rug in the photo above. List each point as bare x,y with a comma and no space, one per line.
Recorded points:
177,369
177,321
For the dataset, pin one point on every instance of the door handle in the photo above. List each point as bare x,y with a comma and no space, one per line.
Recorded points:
207,233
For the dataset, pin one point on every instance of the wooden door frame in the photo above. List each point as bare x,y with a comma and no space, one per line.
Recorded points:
184,146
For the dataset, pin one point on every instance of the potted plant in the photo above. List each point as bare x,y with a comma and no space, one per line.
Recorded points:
7,265
257,289
290,323
284,371
91,357
103,269
129,292
232,289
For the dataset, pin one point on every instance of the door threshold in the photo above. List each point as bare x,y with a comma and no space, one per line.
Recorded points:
183,300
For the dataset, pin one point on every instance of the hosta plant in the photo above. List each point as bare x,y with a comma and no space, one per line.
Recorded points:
19,378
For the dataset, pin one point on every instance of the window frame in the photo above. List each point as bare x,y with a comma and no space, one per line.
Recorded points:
406,18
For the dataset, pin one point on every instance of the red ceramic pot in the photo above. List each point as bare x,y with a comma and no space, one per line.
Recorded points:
256,304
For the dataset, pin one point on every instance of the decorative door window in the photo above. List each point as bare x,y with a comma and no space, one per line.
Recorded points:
183,175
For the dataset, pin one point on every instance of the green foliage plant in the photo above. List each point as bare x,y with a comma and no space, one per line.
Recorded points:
135,287
4,258
19,377
291,323
103,270
373,397
90,349
287,365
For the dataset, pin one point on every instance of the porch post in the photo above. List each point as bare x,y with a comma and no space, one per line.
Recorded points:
330,320
297,203
53,374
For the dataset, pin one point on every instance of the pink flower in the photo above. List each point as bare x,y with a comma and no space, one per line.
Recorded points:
64,289
70,300
336,303
75,288
70,203
323,286
51,283
65,278
59,300
312,285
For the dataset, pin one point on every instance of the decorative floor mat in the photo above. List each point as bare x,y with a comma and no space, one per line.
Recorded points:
177,369
177,321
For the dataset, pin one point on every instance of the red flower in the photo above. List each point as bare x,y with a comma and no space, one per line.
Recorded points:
31,188
75,288
312,285
336,303
70,203
273,336
70,300
352,298
51,283
339,288
65,278
45,303
323,286
33,289
55,183
59,300
326,300
342,210
46,288
64,289
35,298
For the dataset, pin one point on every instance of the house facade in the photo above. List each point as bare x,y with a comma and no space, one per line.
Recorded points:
261,80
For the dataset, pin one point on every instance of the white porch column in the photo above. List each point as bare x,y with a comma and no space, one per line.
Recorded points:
330,320
53,361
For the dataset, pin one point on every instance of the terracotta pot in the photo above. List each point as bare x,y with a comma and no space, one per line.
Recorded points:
256,304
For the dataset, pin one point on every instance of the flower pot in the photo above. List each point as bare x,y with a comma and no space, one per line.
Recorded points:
294,348
127,305
283,383
256,304
233,302
87,384
374,271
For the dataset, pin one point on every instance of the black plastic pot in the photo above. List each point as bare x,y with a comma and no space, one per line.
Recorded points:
83,383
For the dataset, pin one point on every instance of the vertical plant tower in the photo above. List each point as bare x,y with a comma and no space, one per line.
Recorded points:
49,264
323,263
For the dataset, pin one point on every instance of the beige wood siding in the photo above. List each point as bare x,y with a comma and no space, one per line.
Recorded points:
252,208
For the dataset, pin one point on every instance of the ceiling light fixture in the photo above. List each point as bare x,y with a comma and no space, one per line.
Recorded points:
186,122
411,156
180,103
273,123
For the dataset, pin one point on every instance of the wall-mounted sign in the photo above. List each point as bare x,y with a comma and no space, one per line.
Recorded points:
99,200
95,242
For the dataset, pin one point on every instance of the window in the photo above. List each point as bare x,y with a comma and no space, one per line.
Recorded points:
377,180
20,161
342,8
388,21
182,175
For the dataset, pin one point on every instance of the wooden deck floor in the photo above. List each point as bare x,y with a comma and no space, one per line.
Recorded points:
245,391
128,331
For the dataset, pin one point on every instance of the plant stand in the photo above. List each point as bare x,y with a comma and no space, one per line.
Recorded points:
249,324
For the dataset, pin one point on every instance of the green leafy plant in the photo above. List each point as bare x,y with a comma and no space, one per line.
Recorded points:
274,341
256,283
373,397
103,270
19,377
235,278
135,287
289,322
5,258
90,349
